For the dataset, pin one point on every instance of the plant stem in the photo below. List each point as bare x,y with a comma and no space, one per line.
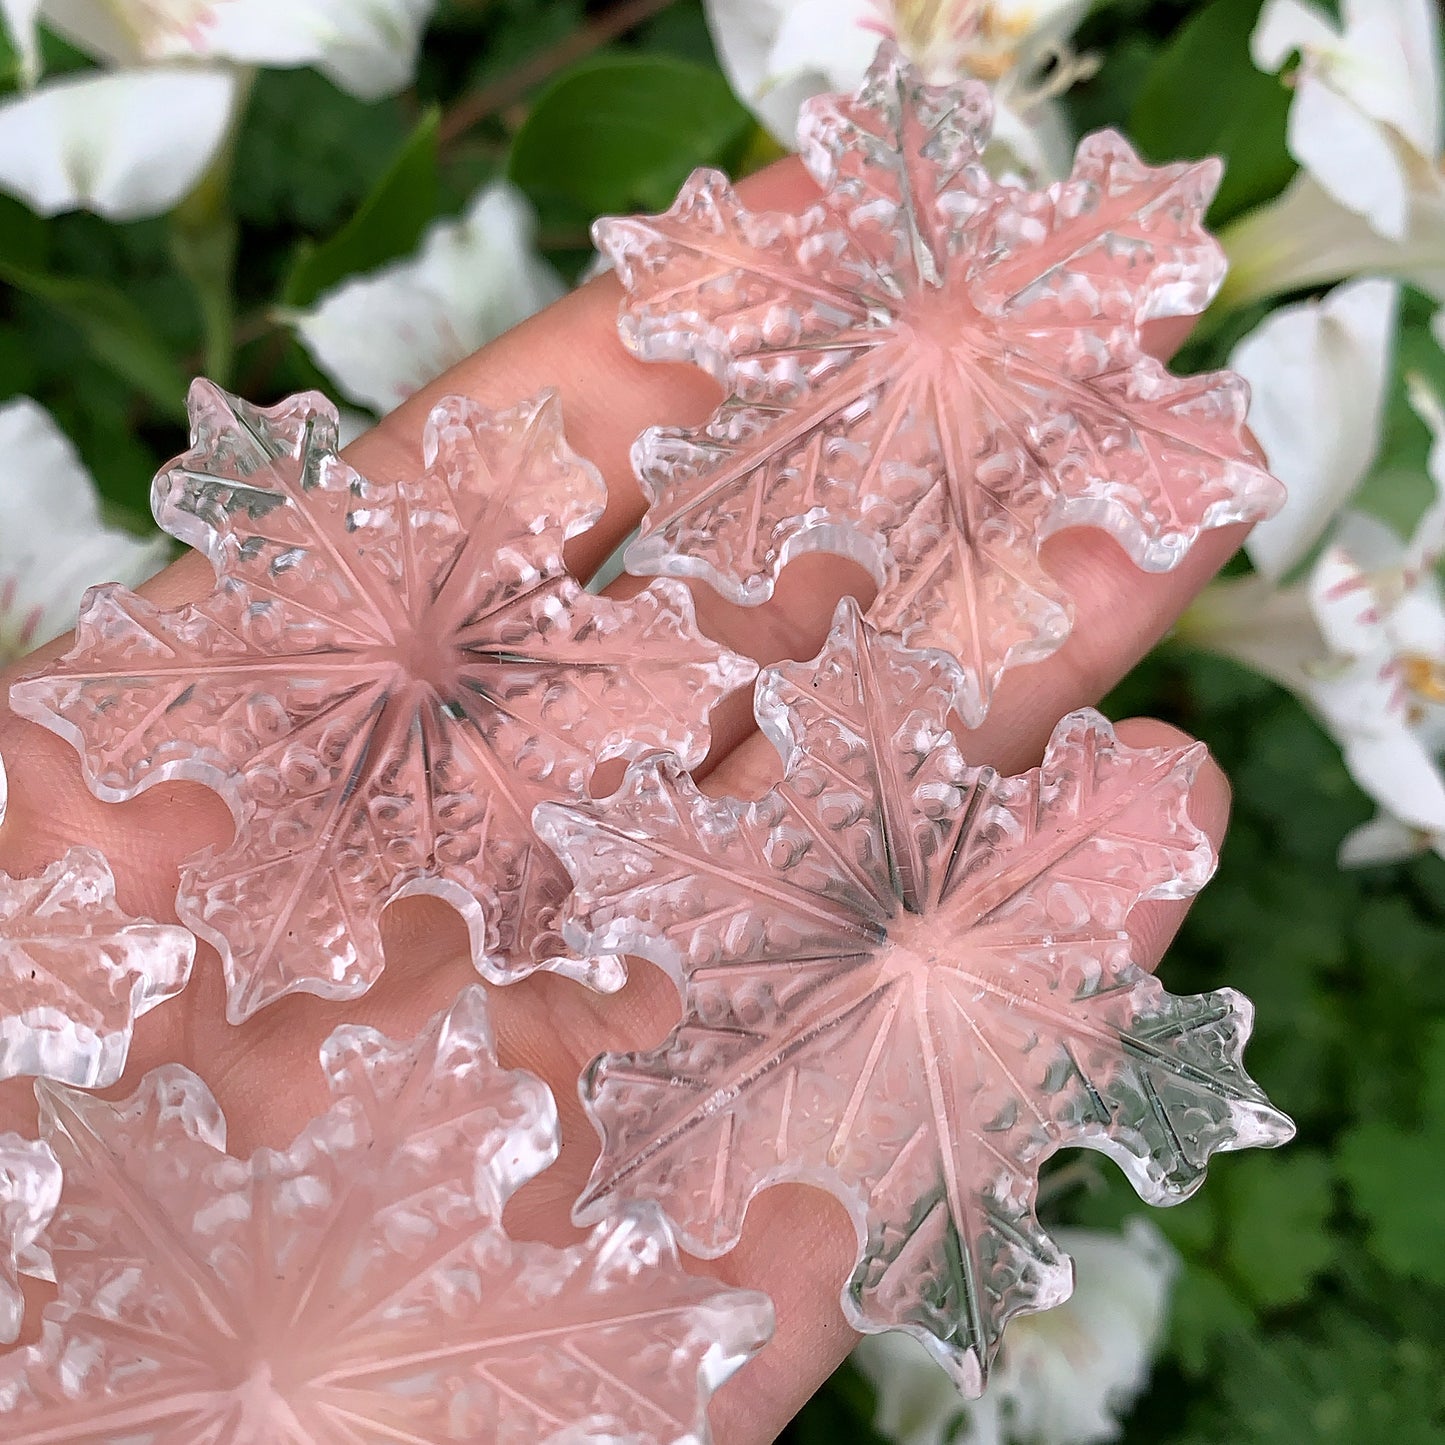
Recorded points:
471,109
203,242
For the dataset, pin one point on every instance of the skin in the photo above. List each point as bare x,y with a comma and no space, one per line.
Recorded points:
798,1244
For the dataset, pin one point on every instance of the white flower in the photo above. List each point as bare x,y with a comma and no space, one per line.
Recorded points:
1362,643
777,53
1318,375
1365,127
53,544
383,336
134,138
1062,1377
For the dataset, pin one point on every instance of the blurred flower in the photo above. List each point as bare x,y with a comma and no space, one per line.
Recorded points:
53,544
1318,375
777,53
1062,1377
1365,127
1361,642
383,336
135,138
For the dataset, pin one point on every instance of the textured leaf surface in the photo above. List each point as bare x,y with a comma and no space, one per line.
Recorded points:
29,1192
909,982
76,972
357,1287
931,371
384,682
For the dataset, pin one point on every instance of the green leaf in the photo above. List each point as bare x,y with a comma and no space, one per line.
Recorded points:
1204,97
842,1411
388,223
1279,1207
620,133
1397,1178
1342,1384
1206,1319
113,327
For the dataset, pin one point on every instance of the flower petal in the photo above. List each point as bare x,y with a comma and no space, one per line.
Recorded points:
1069,1378
1350,155
53,544
109,32
1306,238
1382,840
1269,629
773,73
1287,26
1318,374
382,337
124,144
367,47
1388,65
1394,769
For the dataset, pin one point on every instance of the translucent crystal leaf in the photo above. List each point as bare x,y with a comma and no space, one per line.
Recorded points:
76,972
358,1286
29,1192
932,371
907,981
386,679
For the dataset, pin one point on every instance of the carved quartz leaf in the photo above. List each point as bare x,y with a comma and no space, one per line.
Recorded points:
909,982
29,1192
357,1286
384,682
931,371
76,971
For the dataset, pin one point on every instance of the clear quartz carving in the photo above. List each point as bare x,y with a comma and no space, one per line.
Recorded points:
931,372
384,682
29,1192
76,971
909,982
358,1287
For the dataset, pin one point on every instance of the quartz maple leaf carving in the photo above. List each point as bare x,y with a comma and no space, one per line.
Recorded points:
386,679
909,982
357,1286
29,1192
76,971
931,371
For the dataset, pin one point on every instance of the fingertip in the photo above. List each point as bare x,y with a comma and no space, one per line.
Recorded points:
1153,925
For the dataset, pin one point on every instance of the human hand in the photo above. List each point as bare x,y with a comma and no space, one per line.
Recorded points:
798,1244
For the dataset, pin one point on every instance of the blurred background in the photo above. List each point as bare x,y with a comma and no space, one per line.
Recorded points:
356,213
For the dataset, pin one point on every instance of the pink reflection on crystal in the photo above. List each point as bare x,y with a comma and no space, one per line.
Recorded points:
76,971
29,1192
932,371
384,682
357,1286
909,982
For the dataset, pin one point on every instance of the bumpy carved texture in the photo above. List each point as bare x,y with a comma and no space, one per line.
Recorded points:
909,982
384,682
76,971
932,371
29,1192
359,1286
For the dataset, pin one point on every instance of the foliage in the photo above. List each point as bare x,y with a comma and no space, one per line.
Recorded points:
1311,1306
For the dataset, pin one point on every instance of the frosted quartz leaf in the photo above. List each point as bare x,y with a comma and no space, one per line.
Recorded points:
357,1286
909,982
386,679
76,972
29,1192
931,372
